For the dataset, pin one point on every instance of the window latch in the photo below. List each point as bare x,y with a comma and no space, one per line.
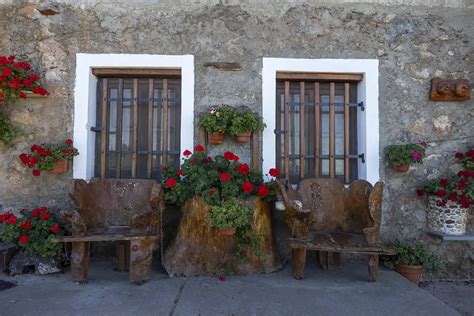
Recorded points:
278,132
96,129
362,157
361,105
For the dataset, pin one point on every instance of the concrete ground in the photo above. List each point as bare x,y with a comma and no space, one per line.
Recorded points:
333,292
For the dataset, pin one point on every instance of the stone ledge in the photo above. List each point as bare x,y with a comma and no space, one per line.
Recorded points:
445,237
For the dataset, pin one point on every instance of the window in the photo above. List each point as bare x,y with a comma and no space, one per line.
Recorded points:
138,120
316,125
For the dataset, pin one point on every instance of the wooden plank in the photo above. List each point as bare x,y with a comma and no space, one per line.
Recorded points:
149,165
104,237
302,131
319,76
135,72
346,132
134,128
104,129
332,131
317,129
165,123
255,151
286,145
118,142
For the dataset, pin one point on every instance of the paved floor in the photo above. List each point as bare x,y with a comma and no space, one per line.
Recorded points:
459,294
333,292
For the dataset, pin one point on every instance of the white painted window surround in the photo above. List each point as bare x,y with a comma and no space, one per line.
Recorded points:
85,99
367,91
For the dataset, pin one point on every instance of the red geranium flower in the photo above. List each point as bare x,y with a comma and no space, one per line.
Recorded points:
453,197
39,90
263,190
247,187
26,225
45,216
55,228
36,173
420,192
24,159
236,158
228,155
470,153
199,148
11,220
22,95
274,172
225,176
69,141
187,153
444,182
441,193
442,203
7,71
23,240
170,183
180,172
243,169
462,184
459,155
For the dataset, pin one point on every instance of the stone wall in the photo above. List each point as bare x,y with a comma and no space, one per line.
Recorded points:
413,44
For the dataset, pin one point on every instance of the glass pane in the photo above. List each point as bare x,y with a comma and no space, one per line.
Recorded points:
325,167
339,134
325,134
339,167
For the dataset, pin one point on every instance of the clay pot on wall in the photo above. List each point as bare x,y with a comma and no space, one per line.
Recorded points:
412,273
242,138
401,168
215,138
61,167
227,231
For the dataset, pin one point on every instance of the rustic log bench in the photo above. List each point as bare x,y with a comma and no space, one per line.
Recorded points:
325,216
121,210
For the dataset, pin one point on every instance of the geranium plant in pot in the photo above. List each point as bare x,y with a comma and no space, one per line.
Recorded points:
229,216
401,157
32,232
216,122
411,260
450,198
49,157
243,124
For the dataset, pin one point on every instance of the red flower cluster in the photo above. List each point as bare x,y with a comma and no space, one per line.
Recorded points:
243,169
263,190
228,155
274,172
170,183
247,187
225,176
16,77
8,218
199,148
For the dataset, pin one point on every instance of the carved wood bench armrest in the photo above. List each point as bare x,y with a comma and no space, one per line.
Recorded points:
73,217
148,222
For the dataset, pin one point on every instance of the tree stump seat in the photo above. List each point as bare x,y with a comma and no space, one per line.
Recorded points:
325,216
125,211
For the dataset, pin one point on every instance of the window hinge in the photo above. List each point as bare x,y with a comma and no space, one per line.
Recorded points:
278,132
362,157
361,105
96,129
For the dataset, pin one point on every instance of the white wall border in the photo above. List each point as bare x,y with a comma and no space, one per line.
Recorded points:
85,99
368,92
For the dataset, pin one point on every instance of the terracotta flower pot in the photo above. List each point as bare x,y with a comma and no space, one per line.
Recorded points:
242,138
61,167
215,138
401,168
227,231
412,273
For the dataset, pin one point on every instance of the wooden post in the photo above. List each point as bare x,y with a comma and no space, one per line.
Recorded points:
134,128
332,133
302,131
141,256
317,129
104,129
165,122
286,145
346,132
298,263
255,151
149,165
80,261
118,142
373,267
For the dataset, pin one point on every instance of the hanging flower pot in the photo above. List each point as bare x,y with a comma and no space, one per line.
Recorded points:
61,166
227,231
215,138
401,168
242,138
412,273
446,217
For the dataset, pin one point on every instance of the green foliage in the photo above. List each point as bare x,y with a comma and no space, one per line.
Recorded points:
8,132
230,214
417,255
244,122
405,154
32,232
217,119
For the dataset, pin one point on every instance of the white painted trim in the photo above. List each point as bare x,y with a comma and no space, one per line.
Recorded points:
368,92
85,99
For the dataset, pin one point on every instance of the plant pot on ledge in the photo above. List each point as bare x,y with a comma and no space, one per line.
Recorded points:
450,219
242,138
215,138
227,231
61,167
401,168
412,273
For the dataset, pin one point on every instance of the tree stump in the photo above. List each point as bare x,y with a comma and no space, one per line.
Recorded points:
199,249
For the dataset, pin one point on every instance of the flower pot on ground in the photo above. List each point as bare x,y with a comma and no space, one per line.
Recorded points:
401,157
411,260
216,122
49,157
61,166
243,124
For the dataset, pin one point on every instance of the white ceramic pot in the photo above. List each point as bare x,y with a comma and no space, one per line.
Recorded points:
450,219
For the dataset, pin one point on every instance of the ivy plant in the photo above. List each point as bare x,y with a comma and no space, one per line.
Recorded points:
8,132
245,122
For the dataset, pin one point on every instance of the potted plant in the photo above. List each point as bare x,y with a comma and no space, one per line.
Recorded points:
410,261
229,216
216,122
450,198
32,234
49,157
243,124
401,157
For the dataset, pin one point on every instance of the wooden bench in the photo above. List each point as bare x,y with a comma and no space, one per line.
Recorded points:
325,216
114,210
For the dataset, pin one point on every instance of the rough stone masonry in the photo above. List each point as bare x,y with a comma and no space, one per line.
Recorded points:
412,40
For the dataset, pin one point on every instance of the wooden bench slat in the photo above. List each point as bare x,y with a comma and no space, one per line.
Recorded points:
103,237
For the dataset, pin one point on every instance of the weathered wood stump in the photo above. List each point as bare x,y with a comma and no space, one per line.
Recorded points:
199,249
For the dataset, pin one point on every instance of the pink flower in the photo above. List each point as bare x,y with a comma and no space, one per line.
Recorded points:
416,155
